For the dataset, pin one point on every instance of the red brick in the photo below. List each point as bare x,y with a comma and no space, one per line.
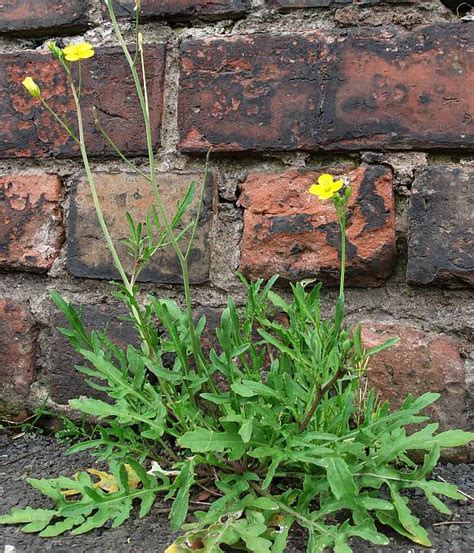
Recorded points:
290,232
17,346
28,130
420,362
323,90
32,232
441,241
37,18
401,90
87,253
257,92
182,8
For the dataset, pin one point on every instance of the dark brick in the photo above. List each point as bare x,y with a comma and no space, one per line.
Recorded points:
88,255
18,336
182,9
289,4
383,89
38,18
63,380
32,232
441,242
28,130
420,362
290,232
258,92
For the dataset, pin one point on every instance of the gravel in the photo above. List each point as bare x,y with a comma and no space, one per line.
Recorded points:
40,456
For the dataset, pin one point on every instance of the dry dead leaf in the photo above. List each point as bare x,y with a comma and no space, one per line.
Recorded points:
106,482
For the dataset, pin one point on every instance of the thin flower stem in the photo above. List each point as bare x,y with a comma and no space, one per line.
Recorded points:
114,146
95,197
201,201
100,215
59,120
342,224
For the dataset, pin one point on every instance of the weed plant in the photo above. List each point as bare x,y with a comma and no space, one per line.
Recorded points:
274,423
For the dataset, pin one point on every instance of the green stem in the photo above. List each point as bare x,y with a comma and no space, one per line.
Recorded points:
59,120
93,188
114,146
308,523
100,215
342,224
141,88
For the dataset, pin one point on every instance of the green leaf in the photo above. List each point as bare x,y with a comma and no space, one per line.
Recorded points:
373,503
388,344
183,482
407,519
242,390
276,460
219,399
250,388
453,438
203,440
18,516
61,527
340,479
245,430
367,532
264,503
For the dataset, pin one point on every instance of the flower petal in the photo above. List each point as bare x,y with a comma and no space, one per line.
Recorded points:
326,179
315,189
337,185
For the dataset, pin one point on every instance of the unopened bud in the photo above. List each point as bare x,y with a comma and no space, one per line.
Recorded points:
31,87
55,50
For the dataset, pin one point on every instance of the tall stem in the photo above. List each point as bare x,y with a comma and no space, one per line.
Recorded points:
342,224
100,215
141,88
95,197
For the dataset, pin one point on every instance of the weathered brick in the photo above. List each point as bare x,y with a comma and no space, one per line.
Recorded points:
28,130
34,18
119,192
289,4
323,90
32,233
258,92
63,380
17,347
290,232
401,89
420,362
182,8
441,242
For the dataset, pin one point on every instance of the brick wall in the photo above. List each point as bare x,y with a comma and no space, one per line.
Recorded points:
379,92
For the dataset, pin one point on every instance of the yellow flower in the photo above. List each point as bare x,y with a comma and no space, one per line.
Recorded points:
78,51
326,187
31,87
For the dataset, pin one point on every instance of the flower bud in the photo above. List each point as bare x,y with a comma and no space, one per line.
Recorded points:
31,87
348,192
55,50
346,346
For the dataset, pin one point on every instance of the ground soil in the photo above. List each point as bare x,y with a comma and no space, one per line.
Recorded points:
39,456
